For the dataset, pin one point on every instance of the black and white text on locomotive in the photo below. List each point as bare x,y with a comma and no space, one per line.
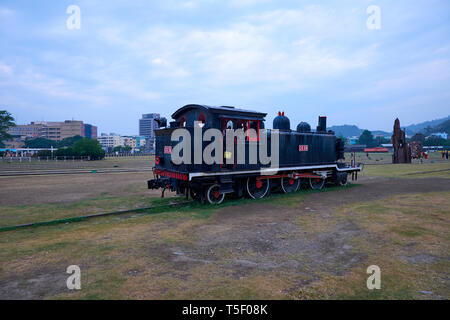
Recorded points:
208,152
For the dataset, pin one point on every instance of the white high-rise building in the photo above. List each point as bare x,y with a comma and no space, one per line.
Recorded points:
147,126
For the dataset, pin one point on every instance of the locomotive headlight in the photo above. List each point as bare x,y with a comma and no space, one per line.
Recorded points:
157,160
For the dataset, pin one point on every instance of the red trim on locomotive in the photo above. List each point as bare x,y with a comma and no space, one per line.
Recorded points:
183,122
202,118
243,124
295,175
169,174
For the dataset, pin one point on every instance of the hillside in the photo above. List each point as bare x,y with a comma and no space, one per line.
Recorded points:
420,127
351,130
438,125
346,130
443,127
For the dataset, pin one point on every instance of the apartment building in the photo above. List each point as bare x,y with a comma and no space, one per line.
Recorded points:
112,140
129,142
54,130
109,142
140,142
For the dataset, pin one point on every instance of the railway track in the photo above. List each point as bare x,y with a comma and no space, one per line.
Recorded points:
144,210
35,172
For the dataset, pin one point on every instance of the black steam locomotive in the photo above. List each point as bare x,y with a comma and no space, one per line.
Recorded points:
306,157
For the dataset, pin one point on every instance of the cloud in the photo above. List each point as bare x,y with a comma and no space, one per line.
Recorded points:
6,12
425,77
5,69
42,84
145,56
241,53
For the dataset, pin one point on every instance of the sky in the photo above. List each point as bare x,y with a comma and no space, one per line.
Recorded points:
307,58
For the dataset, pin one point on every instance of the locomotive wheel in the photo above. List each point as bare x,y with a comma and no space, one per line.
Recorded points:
344,181
289,185
195,195
316,183
213,195
257,189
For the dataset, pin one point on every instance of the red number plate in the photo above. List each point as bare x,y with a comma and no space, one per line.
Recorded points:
303,147
167,150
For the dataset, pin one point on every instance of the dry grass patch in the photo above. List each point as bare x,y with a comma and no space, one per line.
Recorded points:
418,170
408,237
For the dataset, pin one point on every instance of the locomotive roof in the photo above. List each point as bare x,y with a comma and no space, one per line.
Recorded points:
222,110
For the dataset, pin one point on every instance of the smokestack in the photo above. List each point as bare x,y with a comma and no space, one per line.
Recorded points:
322,127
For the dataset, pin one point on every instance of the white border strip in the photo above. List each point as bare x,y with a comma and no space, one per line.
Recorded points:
271,170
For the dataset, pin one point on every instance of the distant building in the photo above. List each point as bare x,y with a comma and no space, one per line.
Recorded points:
382,136
54,130
129,142
388,146
140,142
353,140
90,131
32,130
147,126
14,144
109,142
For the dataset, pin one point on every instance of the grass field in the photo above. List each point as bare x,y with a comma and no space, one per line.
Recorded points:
121,162
417,170
413,251
309,245
386,158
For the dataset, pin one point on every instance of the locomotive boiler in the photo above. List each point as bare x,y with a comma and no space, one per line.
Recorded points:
304,157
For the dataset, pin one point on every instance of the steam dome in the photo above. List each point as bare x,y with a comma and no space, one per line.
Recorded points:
281,122
303,127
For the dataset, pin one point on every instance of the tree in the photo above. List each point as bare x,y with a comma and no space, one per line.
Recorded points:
381,140
418,137
341,136
68,142
366,138
6,122
428,130
122,149
65,152
443,127
436,141
88,148
40,143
